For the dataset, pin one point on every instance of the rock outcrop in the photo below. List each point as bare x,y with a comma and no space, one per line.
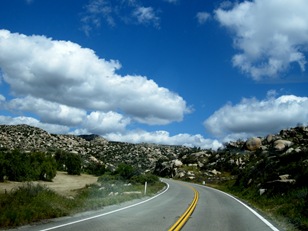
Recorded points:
253,144
92,148
274,155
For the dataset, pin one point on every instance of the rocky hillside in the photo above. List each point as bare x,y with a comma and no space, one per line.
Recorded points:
280,159
252,157
92,148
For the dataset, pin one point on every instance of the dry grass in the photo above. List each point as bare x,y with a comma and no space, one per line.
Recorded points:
63,183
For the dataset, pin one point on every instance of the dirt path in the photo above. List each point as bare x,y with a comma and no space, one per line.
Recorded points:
63,183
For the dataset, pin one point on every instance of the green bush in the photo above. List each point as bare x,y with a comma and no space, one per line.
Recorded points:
69,162
60,157
96,169
34,202
142,178
44,166
31,203
107,177
3,164
19,166
73,164
125,171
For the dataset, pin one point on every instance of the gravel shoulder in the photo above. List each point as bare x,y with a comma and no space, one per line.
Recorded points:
63,183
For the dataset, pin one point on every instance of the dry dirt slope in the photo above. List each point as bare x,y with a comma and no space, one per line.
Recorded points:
63,183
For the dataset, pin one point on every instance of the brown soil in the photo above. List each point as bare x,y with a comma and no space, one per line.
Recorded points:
63,183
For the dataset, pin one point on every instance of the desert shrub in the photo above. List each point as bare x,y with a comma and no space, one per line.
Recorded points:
73,164
125,171
96,169
31,203
19,166
60,157
108,177
44,166
142,178
2,166
34,202
69,162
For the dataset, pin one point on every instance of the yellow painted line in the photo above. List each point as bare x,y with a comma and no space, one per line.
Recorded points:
183,219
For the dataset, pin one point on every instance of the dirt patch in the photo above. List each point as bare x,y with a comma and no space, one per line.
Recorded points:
63,183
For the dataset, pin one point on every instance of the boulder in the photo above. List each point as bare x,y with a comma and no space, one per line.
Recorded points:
215,172
284,177
269,138
195,157
177,163
262,191
200,165
181,174
253,144
281,145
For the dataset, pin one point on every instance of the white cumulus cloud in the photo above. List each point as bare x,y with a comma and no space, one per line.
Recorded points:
270,35
252,117
63,73
163,137
47,111
2,98
103,123
51,128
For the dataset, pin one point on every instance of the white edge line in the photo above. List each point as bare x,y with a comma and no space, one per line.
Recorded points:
105,214
250,209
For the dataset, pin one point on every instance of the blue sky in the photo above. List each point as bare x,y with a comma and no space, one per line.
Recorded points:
195,73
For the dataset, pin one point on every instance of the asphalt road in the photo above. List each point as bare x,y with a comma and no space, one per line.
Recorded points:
218,211
215,211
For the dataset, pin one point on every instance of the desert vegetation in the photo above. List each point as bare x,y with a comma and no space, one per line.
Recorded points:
33,202
18,166
268,172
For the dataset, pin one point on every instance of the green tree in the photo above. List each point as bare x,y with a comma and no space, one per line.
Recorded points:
96,169
73,164
2,166
18,167
142,178
125,171
60,157
44,166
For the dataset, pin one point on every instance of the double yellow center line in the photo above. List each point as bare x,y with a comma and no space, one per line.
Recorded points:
183,219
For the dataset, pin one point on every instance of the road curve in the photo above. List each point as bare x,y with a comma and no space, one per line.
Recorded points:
159,213
214,211
217,210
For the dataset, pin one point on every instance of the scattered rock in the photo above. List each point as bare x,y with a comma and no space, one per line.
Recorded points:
132,192
181,174
262,191
193,165
164,160
269,138
284,177
281,145
253,144
177,163
215,172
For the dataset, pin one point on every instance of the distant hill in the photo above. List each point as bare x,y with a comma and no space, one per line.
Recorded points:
170,161
92,148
